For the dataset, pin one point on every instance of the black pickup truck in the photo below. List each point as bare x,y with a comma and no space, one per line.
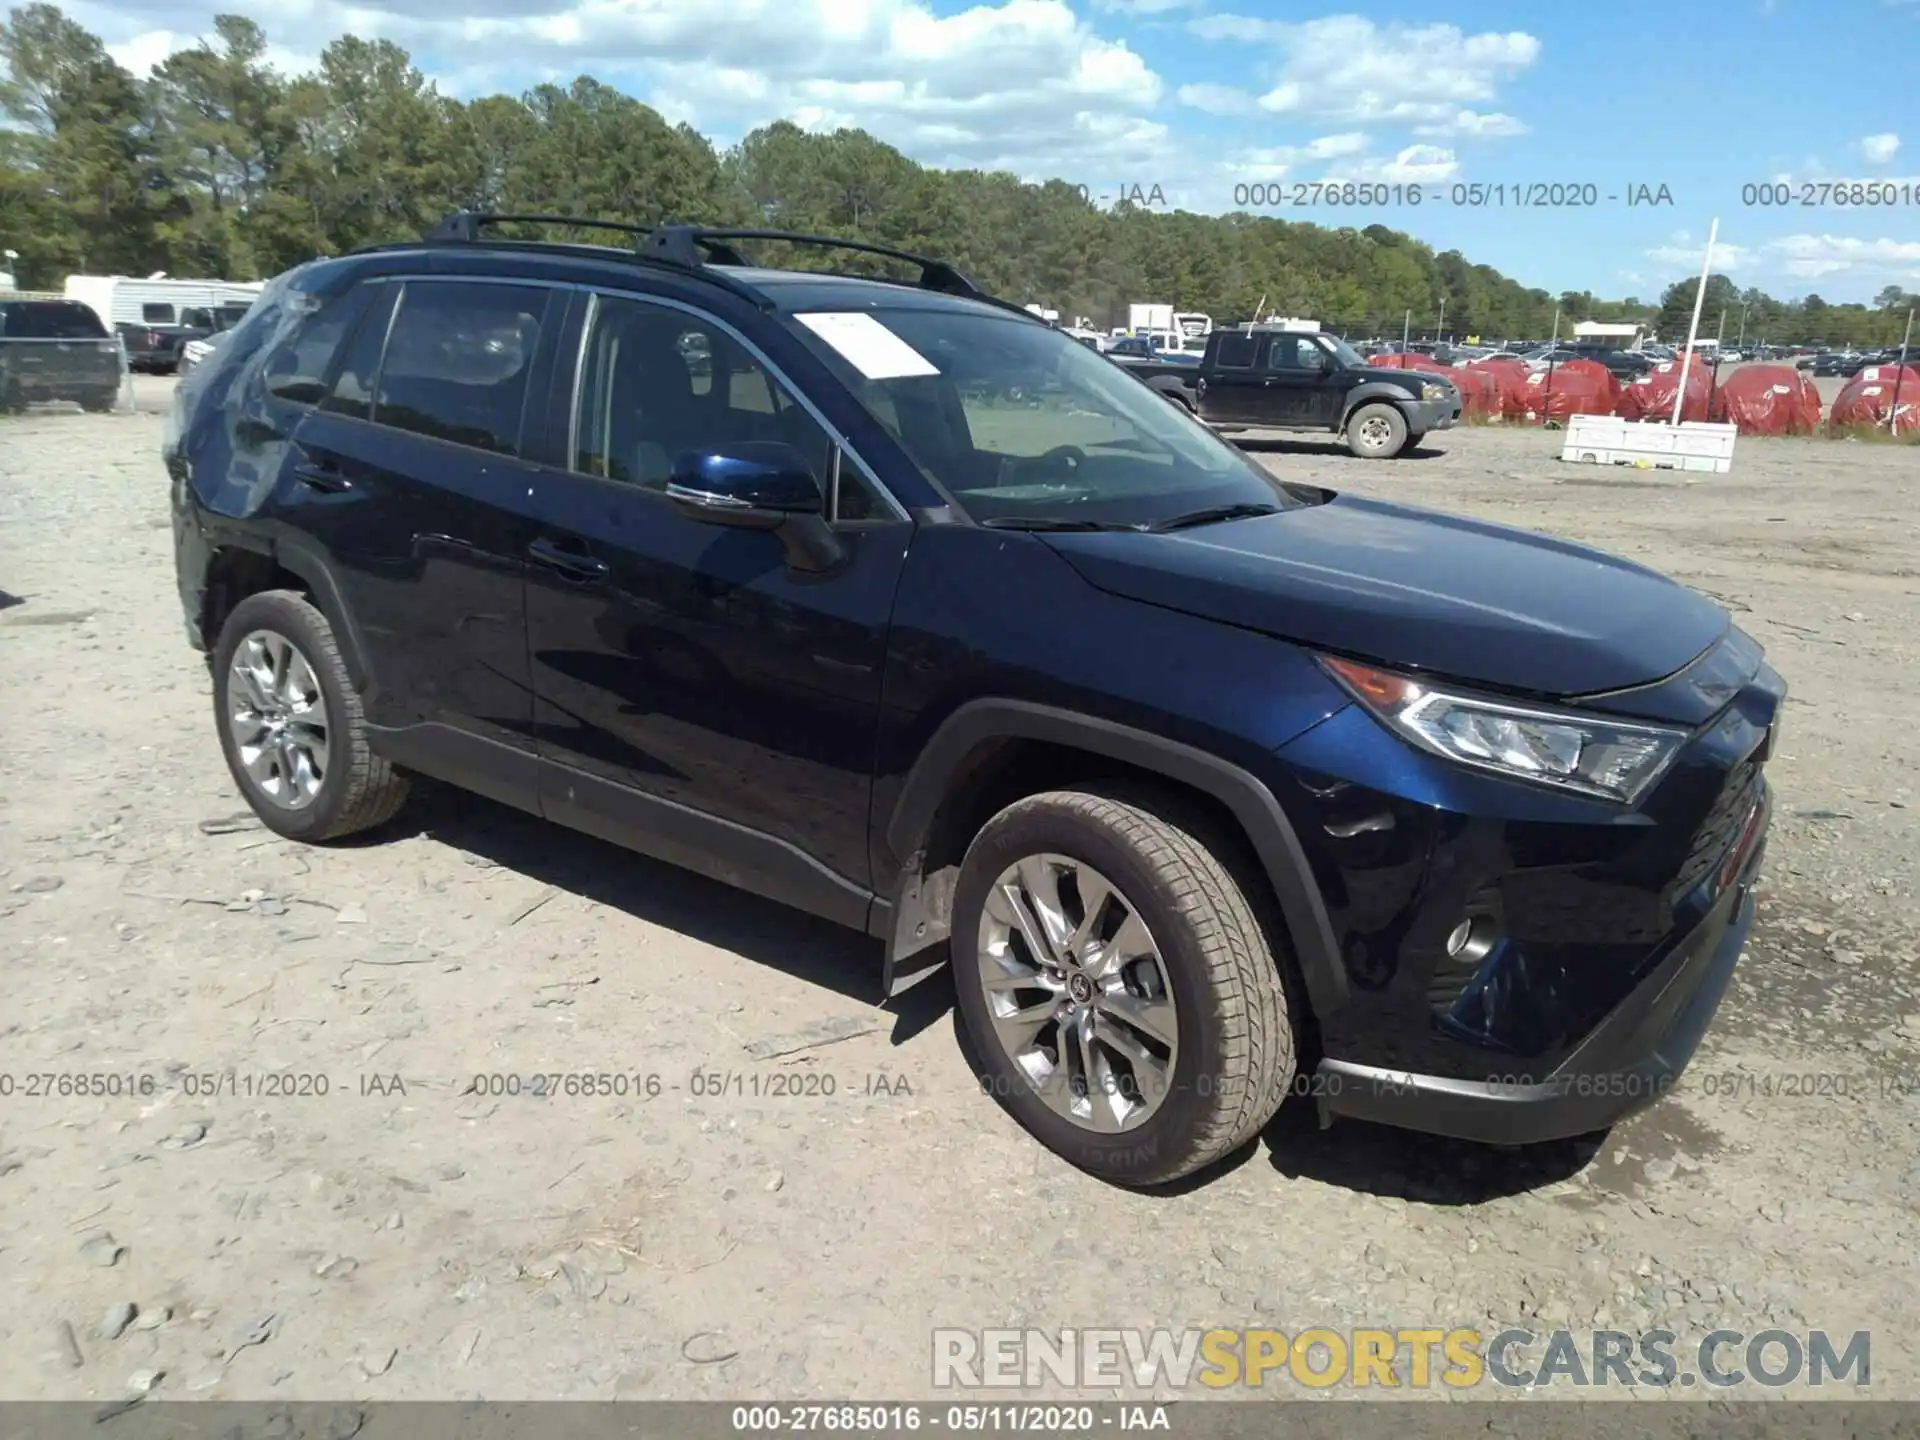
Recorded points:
56,350
1276,379
157,345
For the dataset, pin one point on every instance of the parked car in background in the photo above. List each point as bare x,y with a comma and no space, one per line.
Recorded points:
1837,362
1149,348
1275,379
1210,788
195,351
56,350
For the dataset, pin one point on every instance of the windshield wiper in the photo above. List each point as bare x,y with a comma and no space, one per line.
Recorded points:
1209,516
1053,522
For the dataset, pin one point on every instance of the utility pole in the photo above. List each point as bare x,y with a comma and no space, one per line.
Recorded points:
1441,335
1899,374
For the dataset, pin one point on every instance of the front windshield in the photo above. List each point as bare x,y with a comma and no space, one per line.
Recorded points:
1020,425
1347,354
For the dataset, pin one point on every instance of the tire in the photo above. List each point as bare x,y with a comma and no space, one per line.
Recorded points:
356,789
1233,1057
1181,400
99,404
1376,432
12,402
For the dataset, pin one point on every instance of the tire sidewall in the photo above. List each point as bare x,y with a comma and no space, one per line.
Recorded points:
298,623
1156,1148
1393,417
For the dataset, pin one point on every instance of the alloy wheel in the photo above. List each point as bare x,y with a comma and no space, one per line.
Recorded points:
277,715
1078,992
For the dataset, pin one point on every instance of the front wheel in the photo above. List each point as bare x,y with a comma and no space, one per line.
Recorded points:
1125,1004
1377,432
291,725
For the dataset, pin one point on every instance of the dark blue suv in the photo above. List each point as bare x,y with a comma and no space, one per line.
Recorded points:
1214,789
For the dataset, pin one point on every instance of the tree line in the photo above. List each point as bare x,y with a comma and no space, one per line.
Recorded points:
218,165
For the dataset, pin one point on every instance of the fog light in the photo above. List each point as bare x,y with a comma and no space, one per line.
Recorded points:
1457,941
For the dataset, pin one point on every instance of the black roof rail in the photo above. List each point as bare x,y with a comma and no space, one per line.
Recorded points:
699,248
463,227
692,246
684,244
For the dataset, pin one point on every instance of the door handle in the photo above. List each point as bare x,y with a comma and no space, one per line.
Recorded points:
569,560
319,471
322,477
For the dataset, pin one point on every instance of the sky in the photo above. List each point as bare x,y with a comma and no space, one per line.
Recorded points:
1684,106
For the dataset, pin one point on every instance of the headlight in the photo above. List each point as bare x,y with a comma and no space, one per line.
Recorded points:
1613,759
1431,391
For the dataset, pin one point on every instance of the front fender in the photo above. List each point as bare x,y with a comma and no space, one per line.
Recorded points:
920,917
1369,392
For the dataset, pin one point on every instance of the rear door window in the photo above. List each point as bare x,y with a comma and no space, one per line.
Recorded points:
1235,352
156,314
458,360
297,370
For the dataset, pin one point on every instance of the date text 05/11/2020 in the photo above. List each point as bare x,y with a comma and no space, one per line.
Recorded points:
1467,195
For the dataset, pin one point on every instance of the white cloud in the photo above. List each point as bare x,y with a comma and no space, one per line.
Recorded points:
1022,85
1871,263
1683,252
1473,125
1811,255
1144,7
1217,99
1880,149
1346,68
142,52
1417,164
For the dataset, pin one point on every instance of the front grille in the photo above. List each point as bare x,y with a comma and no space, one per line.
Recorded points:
1720,829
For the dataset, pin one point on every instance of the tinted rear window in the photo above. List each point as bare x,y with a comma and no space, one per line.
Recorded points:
1235,351
457,362
49,320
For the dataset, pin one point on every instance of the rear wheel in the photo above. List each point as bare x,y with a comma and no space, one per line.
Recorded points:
291,725
1376,432
101,403
1124,1002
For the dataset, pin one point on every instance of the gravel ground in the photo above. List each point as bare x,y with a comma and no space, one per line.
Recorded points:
402,1237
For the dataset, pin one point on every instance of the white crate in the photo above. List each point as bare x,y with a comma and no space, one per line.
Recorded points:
1649,444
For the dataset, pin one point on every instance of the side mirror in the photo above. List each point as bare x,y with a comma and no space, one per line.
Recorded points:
757,485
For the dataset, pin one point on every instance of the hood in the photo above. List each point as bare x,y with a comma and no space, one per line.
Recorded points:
1419,590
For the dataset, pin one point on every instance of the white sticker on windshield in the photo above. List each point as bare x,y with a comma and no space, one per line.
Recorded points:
872,349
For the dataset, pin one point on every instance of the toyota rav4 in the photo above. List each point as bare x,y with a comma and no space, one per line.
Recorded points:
1212,788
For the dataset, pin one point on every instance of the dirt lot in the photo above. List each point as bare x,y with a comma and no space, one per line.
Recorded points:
399,1236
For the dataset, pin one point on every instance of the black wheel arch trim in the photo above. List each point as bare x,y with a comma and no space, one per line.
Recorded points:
1373,391
920,912
306,561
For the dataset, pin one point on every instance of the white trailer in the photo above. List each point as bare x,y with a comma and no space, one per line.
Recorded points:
1144,318
158,300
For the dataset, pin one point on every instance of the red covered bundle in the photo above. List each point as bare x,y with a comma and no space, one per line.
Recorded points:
1650,396
1768,400
1579,387
1411,362
1868,399
1510,380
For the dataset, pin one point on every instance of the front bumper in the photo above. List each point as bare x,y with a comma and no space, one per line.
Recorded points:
1626,1063
1424,416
